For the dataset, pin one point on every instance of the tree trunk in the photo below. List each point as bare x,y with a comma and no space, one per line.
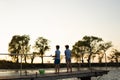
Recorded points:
32,59
17,59
42,58
82,59
25,58
100,59
89,58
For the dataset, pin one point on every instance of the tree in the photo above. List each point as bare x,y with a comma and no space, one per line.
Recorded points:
41,45
34,54
102,50
92,43
19,45
88,44
114,56
25,47
79,49
14,47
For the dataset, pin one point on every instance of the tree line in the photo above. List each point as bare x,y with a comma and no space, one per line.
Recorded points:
20,45
87,48
94,46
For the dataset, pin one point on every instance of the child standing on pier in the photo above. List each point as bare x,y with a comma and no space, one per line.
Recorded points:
68,58
57,59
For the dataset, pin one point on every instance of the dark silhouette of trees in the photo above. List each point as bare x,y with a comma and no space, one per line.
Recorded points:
91,42
41,45
79,49
92,46
14,48
19,48
104,46
25,47
88,44
33,57
19,45
114,56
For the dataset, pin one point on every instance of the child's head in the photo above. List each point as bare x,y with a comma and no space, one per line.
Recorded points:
66,46
57,46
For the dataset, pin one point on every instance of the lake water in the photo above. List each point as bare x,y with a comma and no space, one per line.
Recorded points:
113,74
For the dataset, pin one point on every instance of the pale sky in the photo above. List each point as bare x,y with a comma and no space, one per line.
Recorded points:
60,21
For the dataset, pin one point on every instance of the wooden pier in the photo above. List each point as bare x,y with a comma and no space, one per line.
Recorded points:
83,75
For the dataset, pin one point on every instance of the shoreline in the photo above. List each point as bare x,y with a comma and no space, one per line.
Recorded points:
10,65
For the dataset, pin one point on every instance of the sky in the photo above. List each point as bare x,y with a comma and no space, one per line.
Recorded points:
60,21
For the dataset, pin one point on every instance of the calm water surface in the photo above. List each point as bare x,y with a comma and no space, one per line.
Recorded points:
114,73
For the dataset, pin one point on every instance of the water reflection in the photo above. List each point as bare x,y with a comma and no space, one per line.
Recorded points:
9,72
18,72
112,75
